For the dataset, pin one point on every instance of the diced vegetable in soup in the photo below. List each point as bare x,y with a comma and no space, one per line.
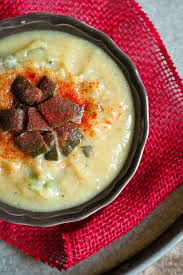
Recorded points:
66,120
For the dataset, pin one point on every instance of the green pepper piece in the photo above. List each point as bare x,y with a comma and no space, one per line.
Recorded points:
87,150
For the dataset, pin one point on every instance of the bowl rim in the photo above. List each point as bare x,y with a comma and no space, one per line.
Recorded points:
20,216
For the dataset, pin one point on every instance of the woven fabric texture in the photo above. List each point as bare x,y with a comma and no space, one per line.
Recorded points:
160,171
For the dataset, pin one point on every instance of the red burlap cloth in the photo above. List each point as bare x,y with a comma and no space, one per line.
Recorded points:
161,168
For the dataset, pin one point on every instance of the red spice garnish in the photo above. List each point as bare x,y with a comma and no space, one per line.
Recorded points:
80,93
8,150
94,115
108,122
30,75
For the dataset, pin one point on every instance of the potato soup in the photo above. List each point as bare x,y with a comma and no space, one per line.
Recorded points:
80,87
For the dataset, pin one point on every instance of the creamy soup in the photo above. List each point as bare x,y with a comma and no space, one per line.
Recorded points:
86,75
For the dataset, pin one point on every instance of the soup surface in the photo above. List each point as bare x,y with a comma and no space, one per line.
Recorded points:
86,75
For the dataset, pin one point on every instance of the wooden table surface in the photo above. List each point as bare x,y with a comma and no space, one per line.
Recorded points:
170,264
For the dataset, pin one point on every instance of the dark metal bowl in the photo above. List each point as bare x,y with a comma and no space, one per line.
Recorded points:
42,21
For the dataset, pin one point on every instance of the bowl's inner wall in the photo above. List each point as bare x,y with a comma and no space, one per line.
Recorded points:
129,71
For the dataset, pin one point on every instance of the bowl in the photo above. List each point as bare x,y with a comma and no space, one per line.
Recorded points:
44,21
